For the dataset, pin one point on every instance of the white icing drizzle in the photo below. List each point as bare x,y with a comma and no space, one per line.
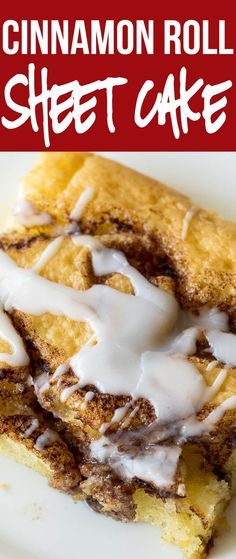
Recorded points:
137,339
157,466
223,346
83,200
126,328
131,415
186,221
34,425
41,383
181,388
27,214
71,229
66,230
185,343
89,242
30,381
18,357
47,254
118,415
48,438
66,392
217,413
60,371
103,428
88,397
211,365
194,428
208,319
181,490
212,390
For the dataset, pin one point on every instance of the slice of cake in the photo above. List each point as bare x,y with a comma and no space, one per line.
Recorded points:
124,296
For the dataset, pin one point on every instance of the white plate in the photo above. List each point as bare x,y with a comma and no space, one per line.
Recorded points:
36,522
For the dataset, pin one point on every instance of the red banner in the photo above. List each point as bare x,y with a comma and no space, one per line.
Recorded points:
160,79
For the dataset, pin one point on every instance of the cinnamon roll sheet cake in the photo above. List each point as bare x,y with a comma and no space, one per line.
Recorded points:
118,345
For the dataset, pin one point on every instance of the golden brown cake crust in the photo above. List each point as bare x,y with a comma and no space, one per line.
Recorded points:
126,201
147,222
51,343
